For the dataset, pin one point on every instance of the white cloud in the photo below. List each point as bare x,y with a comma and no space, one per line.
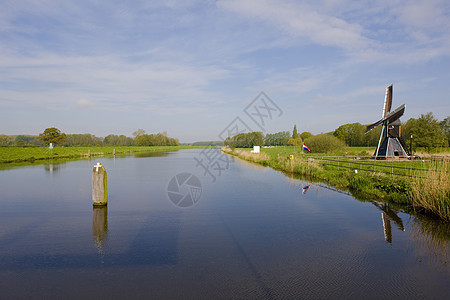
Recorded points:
302,20
197,58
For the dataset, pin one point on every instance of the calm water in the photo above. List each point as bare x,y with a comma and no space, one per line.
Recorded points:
252,234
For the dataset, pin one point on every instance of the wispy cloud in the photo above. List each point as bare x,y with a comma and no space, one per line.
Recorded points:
197,58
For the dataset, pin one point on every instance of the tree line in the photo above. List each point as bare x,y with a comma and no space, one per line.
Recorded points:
55,136
426,132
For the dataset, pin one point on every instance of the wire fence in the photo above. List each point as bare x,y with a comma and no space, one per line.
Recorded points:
373,167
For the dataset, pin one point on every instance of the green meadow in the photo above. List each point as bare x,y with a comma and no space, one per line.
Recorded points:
31,154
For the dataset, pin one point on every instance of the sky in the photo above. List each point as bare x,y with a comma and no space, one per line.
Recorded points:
192,68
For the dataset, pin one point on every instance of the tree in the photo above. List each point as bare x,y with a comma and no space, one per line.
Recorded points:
20,143
138,133
277,139
296,142
426,132
255,139
5,140
155,140
304,135
245,140
294,132
26,140
372,137
85,139
52,135
352,134
115,140
445,126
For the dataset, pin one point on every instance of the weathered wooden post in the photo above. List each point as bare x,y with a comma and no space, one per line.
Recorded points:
99,186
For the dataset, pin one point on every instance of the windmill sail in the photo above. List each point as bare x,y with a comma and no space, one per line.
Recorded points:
372,126
396,114
390,117
387,101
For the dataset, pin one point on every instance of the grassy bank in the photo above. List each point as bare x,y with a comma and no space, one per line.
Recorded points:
30,154
370,185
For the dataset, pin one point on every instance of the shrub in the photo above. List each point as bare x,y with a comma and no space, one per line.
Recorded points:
324,143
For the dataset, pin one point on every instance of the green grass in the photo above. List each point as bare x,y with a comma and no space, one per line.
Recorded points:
364,185
352,160
30,154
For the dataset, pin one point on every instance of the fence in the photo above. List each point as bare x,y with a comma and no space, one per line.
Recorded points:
371,167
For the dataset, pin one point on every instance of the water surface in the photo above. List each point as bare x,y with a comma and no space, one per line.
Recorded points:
254,233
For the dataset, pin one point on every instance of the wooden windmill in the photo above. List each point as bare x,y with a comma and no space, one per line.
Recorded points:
390,144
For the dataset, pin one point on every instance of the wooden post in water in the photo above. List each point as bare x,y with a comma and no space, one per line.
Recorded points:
99,186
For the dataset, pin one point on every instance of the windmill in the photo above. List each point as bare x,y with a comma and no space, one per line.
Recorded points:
390,144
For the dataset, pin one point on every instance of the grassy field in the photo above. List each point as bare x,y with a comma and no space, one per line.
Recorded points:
30,154
429,193
352,160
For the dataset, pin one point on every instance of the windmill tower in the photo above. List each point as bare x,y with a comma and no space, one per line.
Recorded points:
390,144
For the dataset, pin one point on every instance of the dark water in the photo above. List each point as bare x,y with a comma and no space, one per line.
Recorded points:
252,234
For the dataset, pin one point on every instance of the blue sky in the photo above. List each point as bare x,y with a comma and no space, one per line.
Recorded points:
191,67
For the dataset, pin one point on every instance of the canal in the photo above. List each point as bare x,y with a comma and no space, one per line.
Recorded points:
171,230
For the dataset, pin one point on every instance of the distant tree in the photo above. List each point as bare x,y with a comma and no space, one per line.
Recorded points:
26,139
138,133
155,140
111,140
245,140
426,131
52,135
305,135
294,132
277,139
85,139
116,140
296,142
372,137
5,140
255,139
445,126
20,143
125,141
352,134
208,143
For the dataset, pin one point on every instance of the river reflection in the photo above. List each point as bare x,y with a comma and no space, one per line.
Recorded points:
430,236
100,227
254,234
50,168
389,214
431,240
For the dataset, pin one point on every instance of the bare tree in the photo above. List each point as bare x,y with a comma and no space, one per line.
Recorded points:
138,133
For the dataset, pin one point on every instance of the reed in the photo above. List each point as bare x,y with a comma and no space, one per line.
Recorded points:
430,191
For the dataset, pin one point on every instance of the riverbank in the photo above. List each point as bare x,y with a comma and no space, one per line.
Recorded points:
434,199
30,154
